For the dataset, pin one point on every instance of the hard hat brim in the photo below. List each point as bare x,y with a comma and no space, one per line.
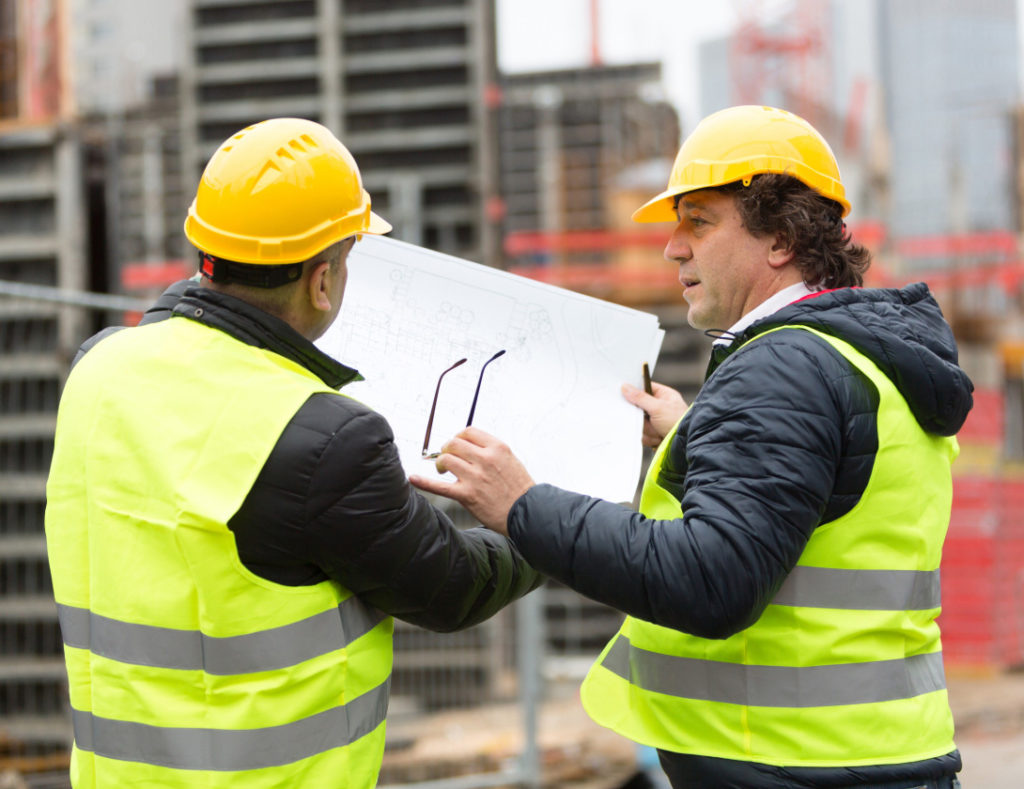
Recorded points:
377,226
661,208
658,209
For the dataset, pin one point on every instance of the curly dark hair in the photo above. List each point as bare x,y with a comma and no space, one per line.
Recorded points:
811,224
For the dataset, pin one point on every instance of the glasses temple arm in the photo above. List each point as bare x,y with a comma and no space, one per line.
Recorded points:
433,405
479,381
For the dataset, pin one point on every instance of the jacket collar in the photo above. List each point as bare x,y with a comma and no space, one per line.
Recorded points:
255,327
903,332
767,307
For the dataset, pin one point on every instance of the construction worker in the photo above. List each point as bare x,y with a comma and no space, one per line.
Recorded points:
229,536
782,576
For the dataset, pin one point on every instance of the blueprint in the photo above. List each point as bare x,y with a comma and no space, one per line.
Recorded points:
553,396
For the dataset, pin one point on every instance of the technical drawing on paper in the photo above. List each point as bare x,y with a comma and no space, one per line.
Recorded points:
553,396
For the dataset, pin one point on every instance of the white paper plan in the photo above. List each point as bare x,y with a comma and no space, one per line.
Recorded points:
554,395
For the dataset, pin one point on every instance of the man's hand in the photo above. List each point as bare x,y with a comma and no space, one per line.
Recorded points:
489,477
663,409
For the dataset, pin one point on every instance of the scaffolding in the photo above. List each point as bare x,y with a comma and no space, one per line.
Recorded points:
40,223
404,86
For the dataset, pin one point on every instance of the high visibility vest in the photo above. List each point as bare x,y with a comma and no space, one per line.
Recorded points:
844,666
186,669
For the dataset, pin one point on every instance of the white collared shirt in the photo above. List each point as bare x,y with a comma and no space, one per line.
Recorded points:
772,304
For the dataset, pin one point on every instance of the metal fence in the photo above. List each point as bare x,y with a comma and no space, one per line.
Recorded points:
445,687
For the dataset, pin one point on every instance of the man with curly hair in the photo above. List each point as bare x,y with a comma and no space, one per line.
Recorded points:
781,577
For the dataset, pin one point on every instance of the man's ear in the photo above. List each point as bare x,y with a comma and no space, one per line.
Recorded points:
781,252
320,286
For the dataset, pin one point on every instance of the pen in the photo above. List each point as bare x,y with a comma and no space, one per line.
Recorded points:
647,379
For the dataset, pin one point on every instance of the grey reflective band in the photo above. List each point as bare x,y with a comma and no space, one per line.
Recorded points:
232,749
267,650
776,686
862,590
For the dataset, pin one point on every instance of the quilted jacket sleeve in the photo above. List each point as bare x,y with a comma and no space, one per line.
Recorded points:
333,498
754,462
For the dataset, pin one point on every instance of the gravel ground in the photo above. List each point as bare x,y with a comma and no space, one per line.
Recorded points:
993,761
989,715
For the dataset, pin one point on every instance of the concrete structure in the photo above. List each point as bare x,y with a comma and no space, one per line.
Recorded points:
42,243
403,84
41,222
566,136
145,198
951,127
8,61
118,47
925,144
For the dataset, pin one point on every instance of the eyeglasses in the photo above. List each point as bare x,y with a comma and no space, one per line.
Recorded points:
472,410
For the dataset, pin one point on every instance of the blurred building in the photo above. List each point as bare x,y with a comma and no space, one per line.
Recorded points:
952,189
819,59
8,61
565,137
117,47
951,77
569,141
42,216
405,85
143,200
916,97
40,227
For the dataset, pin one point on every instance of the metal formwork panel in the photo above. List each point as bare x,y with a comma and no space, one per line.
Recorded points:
401,83
40,228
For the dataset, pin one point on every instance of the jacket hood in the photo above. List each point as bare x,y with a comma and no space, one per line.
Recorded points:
904,333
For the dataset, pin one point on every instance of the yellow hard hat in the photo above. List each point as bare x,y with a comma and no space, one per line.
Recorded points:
279,192
738,143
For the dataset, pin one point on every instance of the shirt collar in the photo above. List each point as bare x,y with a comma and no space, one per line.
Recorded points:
772,304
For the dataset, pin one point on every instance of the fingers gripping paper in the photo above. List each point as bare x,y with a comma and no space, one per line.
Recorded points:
409,314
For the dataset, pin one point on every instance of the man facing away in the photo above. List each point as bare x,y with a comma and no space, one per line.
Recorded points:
782,576
228,535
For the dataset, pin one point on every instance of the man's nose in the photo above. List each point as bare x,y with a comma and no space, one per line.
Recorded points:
678,247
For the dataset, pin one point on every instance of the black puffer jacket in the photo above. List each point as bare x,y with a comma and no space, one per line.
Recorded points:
332,500
780,438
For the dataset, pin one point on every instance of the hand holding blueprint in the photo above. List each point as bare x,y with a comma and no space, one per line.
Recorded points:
553,396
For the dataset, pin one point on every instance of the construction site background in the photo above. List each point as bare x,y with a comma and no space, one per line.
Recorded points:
536,173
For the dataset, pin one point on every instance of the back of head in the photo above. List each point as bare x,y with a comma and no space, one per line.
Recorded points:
785,180
274,195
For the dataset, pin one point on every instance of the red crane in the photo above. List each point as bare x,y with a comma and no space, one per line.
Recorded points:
782,59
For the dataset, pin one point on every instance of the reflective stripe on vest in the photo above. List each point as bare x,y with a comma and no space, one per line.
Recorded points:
232,750
186,669
163,647
776,686
865,590
847,648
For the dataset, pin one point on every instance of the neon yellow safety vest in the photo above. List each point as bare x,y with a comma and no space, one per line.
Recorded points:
844,667
184,668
